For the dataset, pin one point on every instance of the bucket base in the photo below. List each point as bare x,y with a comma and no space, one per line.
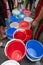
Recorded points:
16,55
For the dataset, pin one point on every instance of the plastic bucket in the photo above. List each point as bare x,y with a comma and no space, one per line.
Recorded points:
32,59
34,49
14,19
15,50
22,16
10,62
27,12
6,22
16,12
20,34
14,25
9,32
29,34
24,25
28,19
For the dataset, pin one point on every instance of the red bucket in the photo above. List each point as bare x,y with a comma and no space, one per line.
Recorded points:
28,34
15,50
24,25
27,12
20,34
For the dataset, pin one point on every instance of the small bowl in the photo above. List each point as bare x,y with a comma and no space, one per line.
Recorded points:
15,50
9,32
14,25
10,62
34,49
20,34
28,19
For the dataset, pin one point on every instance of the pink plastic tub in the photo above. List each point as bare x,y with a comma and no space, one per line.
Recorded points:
27,12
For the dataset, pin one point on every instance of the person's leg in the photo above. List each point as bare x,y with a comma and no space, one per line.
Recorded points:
2,21
2,27
37,29
28,4
31,3
11,6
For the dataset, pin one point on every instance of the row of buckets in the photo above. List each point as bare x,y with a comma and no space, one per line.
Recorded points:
20,43
20,25
15,50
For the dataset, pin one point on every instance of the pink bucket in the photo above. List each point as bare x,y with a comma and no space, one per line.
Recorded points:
26,12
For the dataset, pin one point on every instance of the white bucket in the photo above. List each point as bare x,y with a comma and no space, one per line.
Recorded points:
14,25
28,19
10,62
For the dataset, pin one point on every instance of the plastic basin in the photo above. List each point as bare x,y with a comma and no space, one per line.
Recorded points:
28,19
10,62
27,12
14,19
14,25
24,25
15,50
20,34
9,32
22,16
29,34
34,49
16,12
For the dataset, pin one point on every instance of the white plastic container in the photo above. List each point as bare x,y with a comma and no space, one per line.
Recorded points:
10,62
28,19
14,25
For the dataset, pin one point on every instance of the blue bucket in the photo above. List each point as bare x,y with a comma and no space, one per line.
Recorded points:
31,59
34,49
14,19
9,32
22,16
6,22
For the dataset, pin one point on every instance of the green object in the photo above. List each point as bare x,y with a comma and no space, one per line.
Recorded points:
17,16
25,1
36,29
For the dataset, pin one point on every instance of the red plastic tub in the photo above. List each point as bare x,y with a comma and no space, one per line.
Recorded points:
27,12
15,50
28,34
24,25
20,34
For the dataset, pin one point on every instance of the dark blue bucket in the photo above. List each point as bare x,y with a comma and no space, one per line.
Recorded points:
34,49
9,32
14,19
6,22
